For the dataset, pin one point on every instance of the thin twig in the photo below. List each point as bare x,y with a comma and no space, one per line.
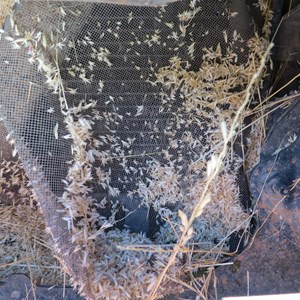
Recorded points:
273,94
219,161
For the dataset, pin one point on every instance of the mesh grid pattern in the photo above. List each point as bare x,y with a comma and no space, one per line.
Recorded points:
123,31
112,54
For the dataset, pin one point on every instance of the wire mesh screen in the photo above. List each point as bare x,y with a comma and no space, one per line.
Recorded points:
115,111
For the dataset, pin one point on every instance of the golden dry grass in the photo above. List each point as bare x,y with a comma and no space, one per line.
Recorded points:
5,8
24,247
109,267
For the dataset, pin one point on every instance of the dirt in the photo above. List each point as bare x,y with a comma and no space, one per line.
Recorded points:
271,263
19,287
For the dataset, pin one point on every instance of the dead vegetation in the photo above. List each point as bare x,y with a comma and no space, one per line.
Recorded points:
24,247
203,189
5,8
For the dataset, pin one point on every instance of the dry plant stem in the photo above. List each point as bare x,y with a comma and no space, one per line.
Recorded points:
258,108
5,7
269,105
265,181
207,280
151,249
188,286
201,204
290,7
282,103
266,219
295,182
229,233
197,284
213,265
61,86
272,95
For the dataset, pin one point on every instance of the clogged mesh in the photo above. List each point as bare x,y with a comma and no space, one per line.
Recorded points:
143,134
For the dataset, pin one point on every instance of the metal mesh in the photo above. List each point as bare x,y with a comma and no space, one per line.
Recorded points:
142,132
142,127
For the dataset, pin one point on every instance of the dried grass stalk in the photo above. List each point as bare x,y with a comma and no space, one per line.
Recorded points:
115,270
24,246
5,8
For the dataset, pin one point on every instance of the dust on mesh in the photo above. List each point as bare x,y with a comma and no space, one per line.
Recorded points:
139,94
